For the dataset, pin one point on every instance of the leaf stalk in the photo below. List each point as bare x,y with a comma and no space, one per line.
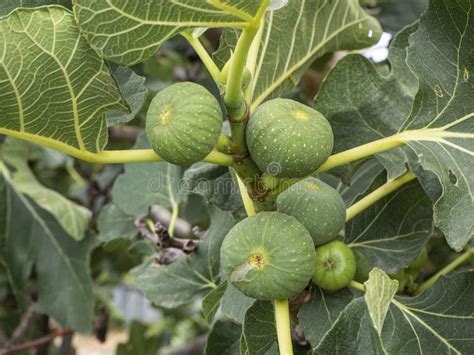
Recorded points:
461,259
376,195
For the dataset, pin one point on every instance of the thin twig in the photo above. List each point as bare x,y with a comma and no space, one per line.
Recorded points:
21,329
35,343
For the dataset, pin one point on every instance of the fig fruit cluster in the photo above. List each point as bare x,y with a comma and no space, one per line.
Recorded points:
275,255
272,255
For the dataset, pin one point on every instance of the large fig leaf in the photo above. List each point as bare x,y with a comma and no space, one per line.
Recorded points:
6,6
438,321
179,283
224,338
352,333
55,89
392,232
440,128
361,103
311,28
128,32
321,312
394,15
259,332
29,237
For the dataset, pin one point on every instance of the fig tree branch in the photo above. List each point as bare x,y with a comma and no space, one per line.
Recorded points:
35,343
376,195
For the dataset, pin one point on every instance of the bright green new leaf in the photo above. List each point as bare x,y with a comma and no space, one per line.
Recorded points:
54,88
130,31
379,292
299,33
440,128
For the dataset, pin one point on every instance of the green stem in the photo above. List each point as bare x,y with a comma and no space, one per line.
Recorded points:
252,59
360,152
233,98
461,259
282,320
358,286
378,194
204,55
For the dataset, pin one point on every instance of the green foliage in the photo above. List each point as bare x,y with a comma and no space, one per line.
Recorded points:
191,276
258,260
317,206
183,134
378,173
288,139
335,266
60,262
70,113
437,126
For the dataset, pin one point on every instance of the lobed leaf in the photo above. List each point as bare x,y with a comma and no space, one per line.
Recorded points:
55,89
235,304
7,6
352,333
128,32
312,28
438,321
439,129
133,90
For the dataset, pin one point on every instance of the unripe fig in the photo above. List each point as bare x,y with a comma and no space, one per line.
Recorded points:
335,266
288,139
317,206
184,123
268,256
